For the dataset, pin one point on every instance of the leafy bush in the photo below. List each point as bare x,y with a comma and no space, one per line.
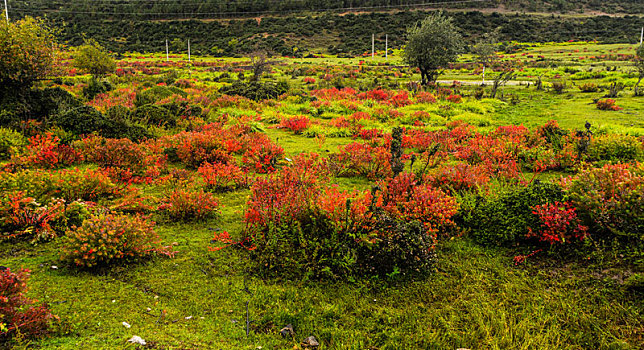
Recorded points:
45,151
610,200
588,87
22,216
504,219
607,105
106,239
615,147
17,312
9,142
189,205
68,184
154,115
297,227
223,177
295,124
262,154
157,93
558,224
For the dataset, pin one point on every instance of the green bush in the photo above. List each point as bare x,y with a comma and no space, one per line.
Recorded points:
504,219
156,94
611,201
615,147
9,140
83,121
154,115
95,87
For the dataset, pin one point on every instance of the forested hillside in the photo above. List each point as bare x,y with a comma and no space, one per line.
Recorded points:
222,8
294,27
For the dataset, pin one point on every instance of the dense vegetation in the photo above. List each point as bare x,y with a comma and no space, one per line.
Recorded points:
295,34
210,203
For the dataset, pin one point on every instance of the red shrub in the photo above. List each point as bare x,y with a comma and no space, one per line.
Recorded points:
425,97
361,159
607,105
457,177
17,315
559,223
187,205
223,177
106,239
454,98
45,151
295,124
262,154
21,216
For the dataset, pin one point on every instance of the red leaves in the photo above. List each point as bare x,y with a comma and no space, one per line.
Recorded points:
189,205
559,223
15,310
608,105
296,124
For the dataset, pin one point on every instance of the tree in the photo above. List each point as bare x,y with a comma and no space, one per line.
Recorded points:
92,58
26,53
432,45
639,65
485,50
259,62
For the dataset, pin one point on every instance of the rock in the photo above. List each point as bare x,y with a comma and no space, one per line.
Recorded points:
54,267
310,342
286,331
137,340
127,325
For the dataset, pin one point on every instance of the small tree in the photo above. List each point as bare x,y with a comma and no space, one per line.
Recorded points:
92,58
485,50
639,65
260,64
26,53
432,44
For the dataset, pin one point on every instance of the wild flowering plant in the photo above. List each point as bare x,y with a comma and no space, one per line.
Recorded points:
189,205
106,239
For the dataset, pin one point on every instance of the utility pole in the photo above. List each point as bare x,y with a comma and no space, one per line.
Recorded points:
386,46
188,50
373,45
167,54
6,11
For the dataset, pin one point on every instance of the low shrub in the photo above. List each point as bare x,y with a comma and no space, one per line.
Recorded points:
615,147
189,205
588,87
45,151
607,105
68,184
106,239
610,201
297,227
223,177
10,142
504,218
21,216
558,224
295,124
18,314
262,155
